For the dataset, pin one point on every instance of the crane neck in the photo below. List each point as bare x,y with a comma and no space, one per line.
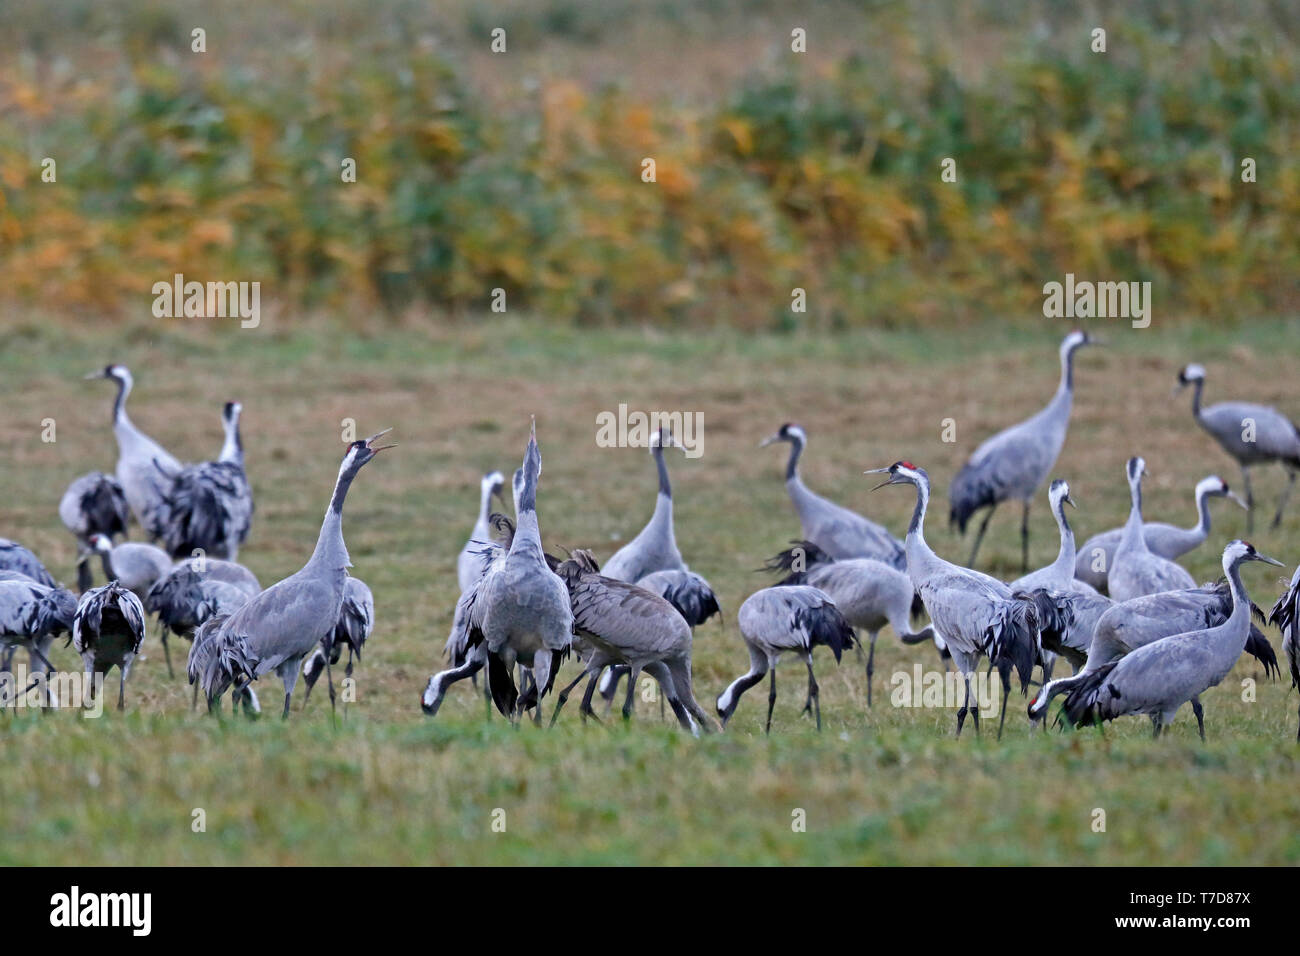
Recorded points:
1133,533
1197,387
1067,372
665,487
119,405
1240,600
484,510
232,450
1202,526
528,535
792,465
916,528
330,548
106,561
1065,557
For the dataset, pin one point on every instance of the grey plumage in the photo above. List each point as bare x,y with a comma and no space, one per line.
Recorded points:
1012,464
1252,434
520,613
1135,570
685,590
1286,615
14,557
143,466
275,630
93,504
1169,541
869,593
973,613
785,619
228,572
1158,678
186,597
32,615
108,631
208,507
620,623
655,547
839,532
137,567
1067,621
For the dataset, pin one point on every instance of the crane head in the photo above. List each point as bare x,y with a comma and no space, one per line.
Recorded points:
900,473
1189,374
1239,551
1135,469
788,432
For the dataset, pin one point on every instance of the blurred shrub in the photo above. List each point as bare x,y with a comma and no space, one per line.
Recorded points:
1119,167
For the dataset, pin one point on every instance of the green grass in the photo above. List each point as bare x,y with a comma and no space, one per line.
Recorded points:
888,785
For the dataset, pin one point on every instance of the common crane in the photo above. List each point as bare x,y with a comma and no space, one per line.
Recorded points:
1160,677
778,620
143,466
1252,434
184,598
869,593
208,507
839,532
137,567
1012,464
1097,554
617,622
93,504
1124,627
1286,615
203,656
521,611
1135,570
973,613
276,629
108,631
469,564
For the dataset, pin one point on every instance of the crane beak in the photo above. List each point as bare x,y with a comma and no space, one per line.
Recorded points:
880,471
370,442
1267,560
93,375
1237,498
768,440
1070,501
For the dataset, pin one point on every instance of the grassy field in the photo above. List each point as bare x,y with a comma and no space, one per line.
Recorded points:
886,785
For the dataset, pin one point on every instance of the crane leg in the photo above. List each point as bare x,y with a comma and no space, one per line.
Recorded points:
1199,711
1286,493
631,688
984,526
871,665
585,708
167,654
564,695
1250,499
329,677
965,707
1005,674
121,688
1024,540
813,692
1157,724
771,701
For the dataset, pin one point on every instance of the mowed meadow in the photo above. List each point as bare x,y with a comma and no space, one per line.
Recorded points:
387,785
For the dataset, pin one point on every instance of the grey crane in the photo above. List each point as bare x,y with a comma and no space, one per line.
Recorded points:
1166,540
1160,677
869,593
276,629
839,532
1012,464
1123,627
1252,434
1286,615
1067,620
655,548
14,557
520,610
355,625
136,566
93,504
185,597
651,561
795,619
973,613
208,507
1135,570
108,631
617,622
469,564
32,616
143,466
